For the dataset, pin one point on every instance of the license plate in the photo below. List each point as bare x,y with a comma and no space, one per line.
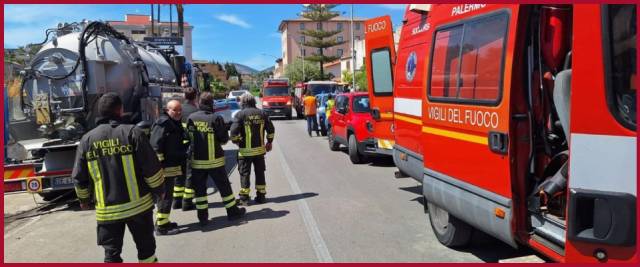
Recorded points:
277,111
62,181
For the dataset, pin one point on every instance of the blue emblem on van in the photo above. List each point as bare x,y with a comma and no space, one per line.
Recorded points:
410,67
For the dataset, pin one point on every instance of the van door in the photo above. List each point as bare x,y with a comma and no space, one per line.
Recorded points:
466,124
380,59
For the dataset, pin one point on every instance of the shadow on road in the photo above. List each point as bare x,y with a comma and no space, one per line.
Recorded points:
278,199
221,222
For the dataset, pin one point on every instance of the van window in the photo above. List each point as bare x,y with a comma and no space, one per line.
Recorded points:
620,34
467,61
381,72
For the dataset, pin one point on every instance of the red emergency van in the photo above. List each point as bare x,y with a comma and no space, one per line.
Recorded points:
527,122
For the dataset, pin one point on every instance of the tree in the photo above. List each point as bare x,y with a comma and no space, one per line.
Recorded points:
361,79
232,71
293,71
321,39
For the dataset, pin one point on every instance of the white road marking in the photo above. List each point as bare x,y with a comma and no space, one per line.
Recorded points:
319,246
32,221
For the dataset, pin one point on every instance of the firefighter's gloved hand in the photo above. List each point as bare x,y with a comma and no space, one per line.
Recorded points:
268,146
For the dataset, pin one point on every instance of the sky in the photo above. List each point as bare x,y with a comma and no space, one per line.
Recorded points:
245,34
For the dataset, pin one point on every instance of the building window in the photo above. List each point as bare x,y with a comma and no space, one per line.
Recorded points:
339,26
357,26
467,61
302,26
319,26
138,32
340,52
340,39
302,40
304,52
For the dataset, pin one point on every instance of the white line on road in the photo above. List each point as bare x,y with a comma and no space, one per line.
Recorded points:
319,246
30,222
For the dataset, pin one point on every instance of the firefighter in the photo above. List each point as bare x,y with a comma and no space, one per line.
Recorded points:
183,190
116,161
208,133
167,139
248,131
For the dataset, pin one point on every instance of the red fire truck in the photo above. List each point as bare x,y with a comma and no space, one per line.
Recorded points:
276,97
522,118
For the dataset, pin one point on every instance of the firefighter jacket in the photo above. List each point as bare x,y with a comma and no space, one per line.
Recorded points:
248,131
117,162
208,133
171,142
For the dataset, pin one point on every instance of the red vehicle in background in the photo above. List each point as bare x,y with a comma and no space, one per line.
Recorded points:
523,118
348,119
276,98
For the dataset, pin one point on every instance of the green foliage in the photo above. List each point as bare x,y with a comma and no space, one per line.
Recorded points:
361,79
293,71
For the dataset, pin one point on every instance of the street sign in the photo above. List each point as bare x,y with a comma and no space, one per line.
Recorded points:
164,40
34,184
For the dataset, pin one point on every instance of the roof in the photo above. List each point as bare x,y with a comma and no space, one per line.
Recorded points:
302,19
137,19
329,64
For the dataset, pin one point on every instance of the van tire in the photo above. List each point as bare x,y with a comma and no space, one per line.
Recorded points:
354,156
450,231
333,144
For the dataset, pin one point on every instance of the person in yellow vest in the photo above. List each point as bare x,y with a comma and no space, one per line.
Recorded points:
330,104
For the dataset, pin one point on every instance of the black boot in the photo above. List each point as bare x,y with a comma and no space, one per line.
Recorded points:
243,200
203,217
235,213
177,203
187,204
260,198
170,228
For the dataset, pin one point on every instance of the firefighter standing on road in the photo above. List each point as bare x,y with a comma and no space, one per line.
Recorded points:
183,191
167,139
248,131
208,133
117,162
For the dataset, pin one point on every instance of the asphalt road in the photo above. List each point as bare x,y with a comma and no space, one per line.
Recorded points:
321,208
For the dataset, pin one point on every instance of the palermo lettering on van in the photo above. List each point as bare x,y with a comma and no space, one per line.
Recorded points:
462,9
477,118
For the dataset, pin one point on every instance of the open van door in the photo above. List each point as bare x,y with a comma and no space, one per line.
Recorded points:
380,59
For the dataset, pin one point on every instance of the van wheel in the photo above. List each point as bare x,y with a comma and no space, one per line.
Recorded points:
333,145
450,231
354,156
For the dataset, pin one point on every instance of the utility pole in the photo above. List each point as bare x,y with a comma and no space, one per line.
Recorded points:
353,55
302,54
153,32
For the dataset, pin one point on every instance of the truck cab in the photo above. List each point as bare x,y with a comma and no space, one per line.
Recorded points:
276,98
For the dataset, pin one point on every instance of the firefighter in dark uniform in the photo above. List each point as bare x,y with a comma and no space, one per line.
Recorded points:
183,191
118,164
208,134
167,139
248,132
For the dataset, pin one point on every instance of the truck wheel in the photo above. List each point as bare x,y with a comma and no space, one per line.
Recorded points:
450,231
354,156
333,145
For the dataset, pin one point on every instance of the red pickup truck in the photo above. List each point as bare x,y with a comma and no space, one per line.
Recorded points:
349,119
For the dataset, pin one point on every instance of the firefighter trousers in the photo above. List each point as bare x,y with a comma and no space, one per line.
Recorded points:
219,176
111,235
244,168
164,205
183,188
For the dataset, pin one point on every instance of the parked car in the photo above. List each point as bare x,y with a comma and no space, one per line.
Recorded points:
227,109
237,93
348,126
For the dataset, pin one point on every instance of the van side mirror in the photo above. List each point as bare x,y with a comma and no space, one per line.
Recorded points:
375,113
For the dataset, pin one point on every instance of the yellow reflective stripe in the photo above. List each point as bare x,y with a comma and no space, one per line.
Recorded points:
200,199
252,151
178,194
207,164
178,188
160,156
162,215
189,190
151,259
82,192
261,186
130,177
156,179
227,198
230,204
202,206
112,216
125,206
483,140
262,134
172,171
162,221
272,135
408,119
247,134
236,138
94,171
245,191
210,143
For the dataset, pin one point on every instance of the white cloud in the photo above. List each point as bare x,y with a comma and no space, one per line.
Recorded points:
394,6
233,19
